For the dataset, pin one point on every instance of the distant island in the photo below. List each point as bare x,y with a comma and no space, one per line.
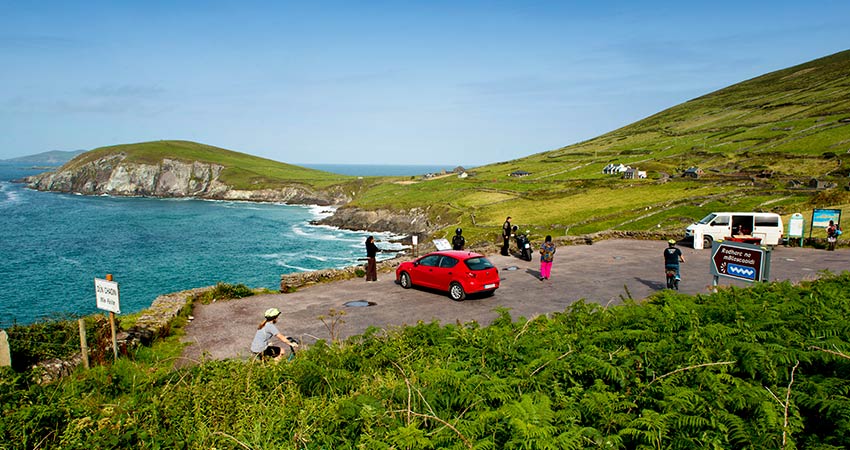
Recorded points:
51,158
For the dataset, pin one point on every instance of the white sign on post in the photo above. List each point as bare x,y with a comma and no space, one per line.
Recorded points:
106,293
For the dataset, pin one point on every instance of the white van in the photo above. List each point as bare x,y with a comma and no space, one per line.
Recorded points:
747,225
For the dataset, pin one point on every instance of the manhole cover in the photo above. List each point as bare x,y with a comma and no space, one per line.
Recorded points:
359,303
511,268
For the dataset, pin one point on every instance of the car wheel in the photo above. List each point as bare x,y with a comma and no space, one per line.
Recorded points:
456,292
404,280
706,242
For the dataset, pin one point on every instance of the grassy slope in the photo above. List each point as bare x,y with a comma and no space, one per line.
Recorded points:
241,170
792,123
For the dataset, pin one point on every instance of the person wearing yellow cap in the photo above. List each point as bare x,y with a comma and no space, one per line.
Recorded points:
260,346
672,257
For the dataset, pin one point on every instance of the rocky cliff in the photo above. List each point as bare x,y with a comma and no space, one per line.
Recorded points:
415,221
111,175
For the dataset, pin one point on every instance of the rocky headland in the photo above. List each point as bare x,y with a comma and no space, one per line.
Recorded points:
173,178
170,178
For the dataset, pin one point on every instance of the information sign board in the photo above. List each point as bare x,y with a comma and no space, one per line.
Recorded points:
741,261
821,217
442,244
107,296
795,226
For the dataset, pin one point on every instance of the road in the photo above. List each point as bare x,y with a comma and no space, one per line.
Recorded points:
605,273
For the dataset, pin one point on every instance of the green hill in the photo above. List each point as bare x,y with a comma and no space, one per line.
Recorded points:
242,171
758,142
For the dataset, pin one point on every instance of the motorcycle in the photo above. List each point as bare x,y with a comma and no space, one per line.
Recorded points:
522,244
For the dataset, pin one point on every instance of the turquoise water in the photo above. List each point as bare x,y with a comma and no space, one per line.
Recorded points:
52,246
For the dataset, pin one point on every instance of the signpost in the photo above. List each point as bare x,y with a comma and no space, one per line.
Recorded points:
740,261
106,293
414,239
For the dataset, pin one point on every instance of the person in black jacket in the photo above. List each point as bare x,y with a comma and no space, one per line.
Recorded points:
506,236
371,265
458,242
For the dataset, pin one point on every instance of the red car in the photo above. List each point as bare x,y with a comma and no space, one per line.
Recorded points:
456,271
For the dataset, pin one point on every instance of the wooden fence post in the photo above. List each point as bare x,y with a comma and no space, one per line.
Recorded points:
84,348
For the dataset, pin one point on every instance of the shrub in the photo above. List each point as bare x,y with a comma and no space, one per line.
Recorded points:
224,291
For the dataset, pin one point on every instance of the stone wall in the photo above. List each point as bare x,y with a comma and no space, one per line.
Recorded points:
292,281
151,323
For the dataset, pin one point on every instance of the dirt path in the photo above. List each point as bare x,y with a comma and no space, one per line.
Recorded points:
605,273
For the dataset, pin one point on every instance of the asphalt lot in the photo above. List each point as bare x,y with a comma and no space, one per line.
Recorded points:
604,273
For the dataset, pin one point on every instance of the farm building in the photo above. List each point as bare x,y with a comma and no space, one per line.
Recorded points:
633,174
693,172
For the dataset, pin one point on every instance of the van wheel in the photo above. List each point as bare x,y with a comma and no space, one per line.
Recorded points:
706,241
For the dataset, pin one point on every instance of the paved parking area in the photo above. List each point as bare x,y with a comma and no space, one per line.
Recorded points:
604,273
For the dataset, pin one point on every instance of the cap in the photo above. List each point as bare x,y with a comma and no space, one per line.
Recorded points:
271,313
672,242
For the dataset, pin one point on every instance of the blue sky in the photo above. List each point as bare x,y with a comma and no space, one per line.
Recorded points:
395,82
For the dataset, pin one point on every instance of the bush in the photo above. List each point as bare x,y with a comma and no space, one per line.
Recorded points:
48,339
224,291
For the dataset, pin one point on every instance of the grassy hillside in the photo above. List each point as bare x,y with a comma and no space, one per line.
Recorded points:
242,171
754,140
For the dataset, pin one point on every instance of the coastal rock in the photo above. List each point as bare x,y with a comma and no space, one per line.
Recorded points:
414,221
111,175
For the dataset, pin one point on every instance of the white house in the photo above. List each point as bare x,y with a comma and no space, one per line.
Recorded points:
613,169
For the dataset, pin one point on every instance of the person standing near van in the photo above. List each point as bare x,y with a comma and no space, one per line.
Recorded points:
547,255
672,257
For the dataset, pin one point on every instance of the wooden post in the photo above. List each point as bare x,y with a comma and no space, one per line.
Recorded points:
5,352
84,348
112,325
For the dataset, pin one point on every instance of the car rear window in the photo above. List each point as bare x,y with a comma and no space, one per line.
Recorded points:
479,264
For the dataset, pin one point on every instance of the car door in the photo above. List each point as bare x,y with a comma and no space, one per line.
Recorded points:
422,273
445,272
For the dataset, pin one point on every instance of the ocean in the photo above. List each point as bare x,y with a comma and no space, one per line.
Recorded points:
53,246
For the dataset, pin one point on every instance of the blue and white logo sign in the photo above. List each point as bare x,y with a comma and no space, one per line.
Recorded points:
738,260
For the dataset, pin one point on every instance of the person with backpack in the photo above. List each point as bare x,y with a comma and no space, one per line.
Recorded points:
458,242
832,233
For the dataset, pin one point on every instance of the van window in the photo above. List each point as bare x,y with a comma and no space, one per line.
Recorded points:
770,221
707,218
720,221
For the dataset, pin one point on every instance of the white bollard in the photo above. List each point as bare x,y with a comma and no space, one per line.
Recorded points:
5,353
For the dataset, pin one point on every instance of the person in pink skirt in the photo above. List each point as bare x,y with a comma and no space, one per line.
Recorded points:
547,255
